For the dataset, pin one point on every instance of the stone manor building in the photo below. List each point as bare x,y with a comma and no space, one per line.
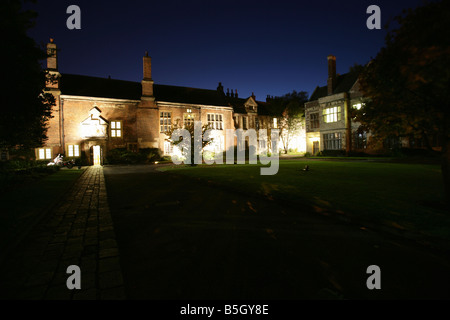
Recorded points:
95,115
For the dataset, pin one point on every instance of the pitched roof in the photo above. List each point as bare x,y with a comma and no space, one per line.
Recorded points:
188,95
81,85
344,83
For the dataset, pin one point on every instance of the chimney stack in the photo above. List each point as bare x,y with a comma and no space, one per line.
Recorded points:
331,83
236,94
228,92
52,66
253,96
147,82
52,60
220,88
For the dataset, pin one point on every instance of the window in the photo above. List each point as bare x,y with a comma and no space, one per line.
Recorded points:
168,148
256,123
314,121
215,121
262,145
165,121
116,129
332,114
244,123
73,150
188,119
44,153
360,140
275,122
332,141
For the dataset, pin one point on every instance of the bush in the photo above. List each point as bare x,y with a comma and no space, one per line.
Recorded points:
331,153
124,156
307,154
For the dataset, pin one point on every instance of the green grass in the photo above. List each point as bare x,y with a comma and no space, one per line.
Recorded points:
402,196
23,204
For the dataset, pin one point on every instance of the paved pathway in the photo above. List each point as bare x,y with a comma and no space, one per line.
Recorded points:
79,231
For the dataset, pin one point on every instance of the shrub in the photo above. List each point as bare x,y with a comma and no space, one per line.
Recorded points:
124,156
331,153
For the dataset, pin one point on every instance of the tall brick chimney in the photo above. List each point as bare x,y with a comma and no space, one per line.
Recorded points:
147,82
52,59
220,88
331,83
52,67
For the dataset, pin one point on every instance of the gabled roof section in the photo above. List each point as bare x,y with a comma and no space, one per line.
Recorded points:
343,84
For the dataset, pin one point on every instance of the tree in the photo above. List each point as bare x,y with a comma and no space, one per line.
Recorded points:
25,107
290,113
408,81
202,140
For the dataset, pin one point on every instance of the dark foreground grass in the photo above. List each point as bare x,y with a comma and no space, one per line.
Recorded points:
22,205
402,196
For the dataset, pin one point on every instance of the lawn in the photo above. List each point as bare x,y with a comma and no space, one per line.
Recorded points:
402,196
23,205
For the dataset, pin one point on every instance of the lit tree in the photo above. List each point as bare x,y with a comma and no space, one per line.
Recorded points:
289,110
190,127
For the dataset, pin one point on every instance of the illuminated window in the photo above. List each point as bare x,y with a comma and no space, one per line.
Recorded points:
116,129
314,120
275,122
244,122
215,121
73,150
189,110
188,119
44,153
165,121
332,114
332,141
256,123
168,148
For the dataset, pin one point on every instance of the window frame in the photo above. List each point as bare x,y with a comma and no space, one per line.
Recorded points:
165,121
74,155
188,119
45,150
332,141
115,129
332,114
215,121
314,122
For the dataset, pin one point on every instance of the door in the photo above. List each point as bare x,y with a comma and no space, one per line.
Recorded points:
315,147
96,150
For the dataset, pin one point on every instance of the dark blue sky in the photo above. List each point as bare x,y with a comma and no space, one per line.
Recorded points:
265,47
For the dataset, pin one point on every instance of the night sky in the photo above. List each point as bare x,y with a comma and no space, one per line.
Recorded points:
265,47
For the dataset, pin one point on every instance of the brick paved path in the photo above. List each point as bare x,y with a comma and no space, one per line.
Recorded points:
79,232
